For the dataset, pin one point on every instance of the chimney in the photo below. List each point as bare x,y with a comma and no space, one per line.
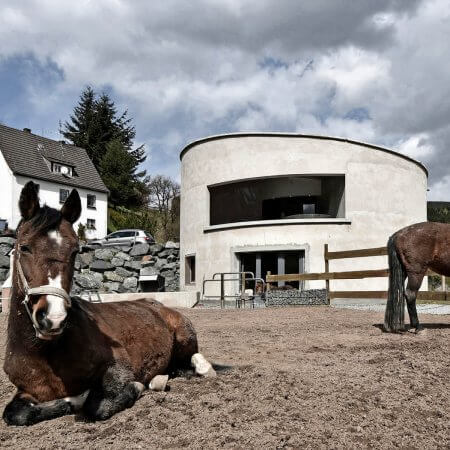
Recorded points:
27,130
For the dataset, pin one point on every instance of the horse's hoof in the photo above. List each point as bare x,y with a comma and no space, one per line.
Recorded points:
420,330
158,383
202,366
140,388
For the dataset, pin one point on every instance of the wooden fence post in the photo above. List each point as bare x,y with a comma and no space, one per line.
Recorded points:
267,283
327,282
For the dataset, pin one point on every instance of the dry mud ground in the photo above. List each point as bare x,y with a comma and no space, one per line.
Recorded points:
310,377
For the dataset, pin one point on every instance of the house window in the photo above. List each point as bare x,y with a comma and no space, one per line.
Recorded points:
309,208
91,201
63,194
60,168
276,262
90,224
190,269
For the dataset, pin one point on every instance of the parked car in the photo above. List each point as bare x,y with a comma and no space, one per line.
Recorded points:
123,238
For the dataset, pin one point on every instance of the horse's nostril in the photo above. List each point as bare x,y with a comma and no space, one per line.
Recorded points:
42,320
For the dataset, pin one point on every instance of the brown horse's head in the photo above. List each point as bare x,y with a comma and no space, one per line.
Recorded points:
45,255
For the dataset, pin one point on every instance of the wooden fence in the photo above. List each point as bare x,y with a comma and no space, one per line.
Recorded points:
443,295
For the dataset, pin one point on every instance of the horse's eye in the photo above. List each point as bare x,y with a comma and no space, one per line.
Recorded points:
25,249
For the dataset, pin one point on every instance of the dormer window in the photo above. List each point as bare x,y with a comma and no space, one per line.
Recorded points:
62,169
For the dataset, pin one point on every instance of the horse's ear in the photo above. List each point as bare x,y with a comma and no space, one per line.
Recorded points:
71,209
29,201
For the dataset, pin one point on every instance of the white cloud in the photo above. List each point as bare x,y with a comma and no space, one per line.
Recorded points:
373,71
416,147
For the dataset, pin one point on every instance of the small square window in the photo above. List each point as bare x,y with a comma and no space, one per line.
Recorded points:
190,269
63,194
90,224
309,208
91,199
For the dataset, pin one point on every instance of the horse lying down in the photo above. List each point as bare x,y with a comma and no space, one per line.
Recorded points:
64,354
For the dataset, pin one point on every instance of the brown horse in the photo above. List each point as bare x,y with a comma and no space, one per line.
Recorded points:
412,251
66,354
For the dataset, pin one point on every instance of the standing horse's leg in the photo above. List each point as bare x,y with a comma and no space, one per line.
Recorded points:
115,392
24,410
412,287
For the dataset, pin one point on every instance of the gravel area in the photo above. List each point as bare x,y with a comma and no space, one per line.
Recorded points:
305,377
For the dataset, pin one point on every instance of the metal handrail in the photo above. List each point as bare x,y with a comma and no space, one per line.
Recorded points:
233,273
241,297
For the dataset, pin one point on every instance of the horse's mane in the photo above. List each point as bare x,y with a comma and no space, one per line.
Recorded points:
45,220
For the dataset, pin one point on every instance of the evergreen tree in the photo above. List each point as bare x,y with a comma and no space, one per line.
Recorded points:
118,170
80,130
97,127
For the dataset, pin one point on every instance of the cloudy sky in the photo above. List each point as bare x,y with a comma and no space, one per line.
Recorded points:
375,71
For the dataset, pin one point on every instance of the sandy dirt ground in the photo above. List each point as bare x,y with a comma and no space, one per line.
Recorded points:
309,377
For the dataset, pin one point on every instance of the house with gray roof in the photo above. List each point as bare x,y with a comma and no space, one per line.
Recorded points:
57,167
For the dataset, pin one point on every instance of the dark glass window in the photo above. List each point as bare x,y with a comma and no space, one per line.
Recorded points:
190,269
63,194
91,199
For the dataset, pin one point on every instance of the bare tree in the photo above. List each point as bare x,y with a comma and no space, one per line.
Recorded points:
163,196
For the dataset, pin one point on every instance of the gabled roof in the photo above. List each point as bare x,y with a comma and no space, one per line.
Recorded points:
31,155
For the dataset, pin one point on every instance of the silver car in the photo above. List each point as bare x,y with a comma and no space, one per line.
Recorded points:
123,238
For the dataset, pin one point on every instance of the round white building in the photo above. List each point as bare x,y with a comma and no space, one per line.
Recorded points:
270,201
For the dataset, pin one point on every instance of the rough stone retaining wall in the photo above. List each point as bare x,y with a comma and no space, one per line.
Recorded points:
295,297
111,269
6,245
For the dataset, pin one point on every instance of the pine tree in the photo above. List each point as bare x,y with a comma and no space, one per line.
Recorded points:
118,168
96,126
80,130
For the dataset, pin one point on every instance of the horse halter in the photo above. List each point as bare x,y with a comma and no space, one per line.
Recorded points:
39,290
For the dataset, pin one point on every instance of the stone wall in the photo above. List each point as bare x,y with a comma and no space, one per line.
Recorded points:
6,245
295,297
111,269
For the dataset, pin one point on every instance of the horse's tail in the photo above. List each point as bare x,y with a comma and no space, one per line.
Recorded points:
394,317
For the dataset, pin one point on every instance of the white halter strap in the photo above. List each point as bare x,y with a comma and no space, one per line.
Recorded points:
39,290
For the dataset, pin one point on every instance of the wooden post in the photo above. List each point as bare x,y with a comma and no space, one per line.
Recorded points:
222,290
267,283
444,287
327,269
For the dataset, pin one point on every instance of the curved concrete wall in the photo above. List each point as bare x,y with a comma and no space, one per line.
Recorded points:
384,191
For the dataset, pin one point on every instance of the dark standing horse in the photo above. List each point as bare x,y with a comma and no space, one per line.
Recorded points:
412,251
65,354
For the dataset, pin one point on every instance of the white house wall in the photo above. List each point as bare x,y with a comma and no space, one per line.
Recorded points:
49,194
383,193
6,187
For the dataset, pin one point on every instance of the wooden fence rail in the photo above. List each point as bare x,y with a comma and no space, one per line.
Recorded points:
443,295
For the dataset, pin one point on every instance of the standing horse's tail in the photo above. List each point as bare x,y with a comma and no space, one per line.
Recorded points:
394,317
